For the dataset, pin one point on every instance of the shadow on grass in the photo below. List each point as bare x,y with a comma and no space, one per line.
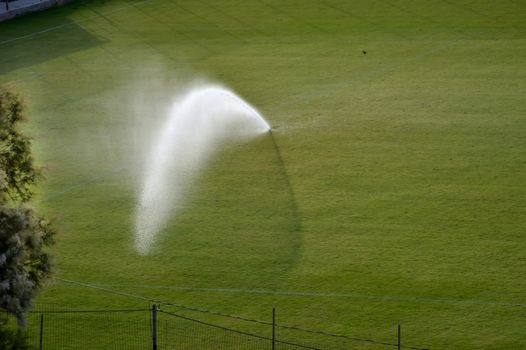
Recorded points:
295,226
41,36
282,169
36,49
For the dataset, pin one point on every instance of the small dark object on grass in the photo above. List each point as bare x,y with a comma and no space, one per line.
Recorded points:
364,52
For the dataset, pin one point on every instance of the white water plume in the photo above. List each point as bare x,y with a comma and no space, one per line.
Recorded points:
197,123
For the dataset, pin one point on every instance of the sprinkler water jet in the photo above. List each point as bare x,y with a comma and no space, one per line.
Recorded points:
199,122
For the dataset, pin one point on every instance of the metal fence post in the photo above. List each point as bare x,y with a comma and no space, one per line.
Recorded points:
273,328
41,331
399,338
154,326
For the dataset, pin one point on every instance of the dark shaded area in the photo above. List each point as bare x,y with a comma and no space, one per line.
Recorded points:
288,186
288,243
41,46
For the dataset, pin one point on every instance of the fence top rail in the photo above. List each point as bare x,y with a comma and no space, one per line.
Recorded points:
87,311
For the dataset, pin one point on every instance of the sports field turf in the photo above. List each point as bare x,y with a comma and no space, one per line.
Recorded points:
393,190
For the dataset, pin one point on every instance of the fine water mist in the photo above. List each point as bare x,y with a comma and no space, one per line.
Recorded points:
198,122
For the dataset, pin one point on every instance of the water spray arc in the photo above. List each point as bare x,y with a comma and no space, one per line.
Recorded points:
197,123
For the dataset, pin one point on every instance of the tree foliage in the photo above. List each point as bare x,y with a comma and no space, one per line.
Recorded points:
17,170
13,339
24,263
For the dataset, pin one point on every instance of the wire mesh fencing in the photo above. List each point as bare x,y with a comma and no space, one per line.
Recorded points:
166,328
116,329
190,333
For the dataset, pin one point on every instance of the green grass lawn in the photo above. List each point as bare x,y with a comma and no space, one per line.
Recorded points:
393,189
